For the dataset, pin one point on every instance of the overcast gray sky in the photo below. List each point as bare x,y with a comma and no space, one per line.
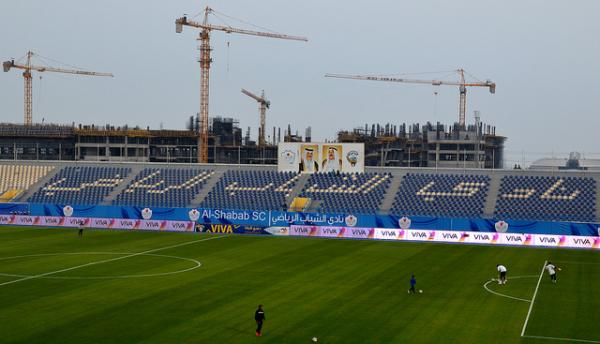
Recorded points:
543,55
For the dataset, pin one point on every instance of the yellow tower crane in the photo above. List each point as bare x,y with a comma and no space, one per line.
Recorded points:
264,105
205,61
462,86
28,67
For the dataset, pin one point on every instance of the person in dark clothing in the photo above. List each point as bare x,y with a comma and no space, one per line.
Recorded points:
259,316
413,282
80,228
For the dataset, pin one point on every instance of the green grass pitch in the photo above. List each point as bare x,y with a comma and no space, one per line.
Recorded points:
58,288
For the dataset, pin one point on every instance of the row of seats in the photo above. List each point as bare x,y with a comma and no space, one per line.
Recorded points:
441,195
155,187
427,194
80,185
242,189
21,177
360,193
547,198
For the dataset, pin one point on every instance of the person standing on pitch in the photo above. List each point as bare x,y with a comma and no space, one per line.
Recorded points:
80,228
502,274
259,316
551,268
413,282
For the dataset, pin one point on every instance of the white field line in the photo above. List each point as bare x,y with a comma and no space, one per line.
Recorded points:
485,286
196,262
108,260
563,339
533,298
580,263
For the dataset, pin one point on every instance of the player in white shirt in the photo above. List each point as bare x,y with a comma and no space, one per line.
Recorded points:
551,268
502,273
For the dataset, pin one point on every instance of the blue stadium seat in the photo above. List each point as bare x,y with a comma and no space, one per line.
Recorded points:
164,187
86,185
547,198
441,195
359,193
254,190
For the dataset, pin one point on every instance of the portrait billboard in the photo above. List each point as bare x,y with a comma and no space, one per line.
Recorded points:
310,157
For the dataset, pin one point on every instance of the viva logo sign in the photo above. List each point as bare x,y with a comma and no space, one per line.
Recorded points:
332,231
450,236
547,240
225,229
389,233
514,238
420,235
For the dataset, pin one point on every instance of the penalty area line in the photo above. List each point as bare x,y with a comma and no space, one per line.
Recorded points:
109,260
533,298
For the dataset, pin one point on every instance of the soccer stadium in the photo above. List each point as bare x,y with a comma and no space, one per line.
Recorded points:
326,226
182,253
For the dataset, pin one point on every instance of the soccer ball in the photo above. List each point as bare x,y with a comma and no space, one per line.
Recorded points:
315,339
420,291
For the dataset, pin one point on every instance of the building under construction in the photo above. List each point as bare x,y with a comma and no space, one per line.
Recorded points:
473,146
133,144
430,145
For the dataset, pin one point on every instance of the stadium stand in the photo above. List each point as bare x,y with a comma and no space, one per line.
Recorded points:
80,185
252,189
164,187
359,193
547,198
16,178
501,194
449,195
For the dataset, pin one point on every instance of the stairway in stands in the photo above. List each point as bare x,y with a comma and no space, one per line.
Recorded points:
135,170
302,179
492,196
390,195
210,184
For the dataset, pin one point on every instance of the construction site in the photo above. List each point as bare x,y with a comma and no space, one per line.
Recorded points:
208,138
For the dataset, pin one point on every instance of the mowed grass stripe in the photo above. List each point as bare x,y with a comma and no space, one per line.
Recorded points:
151,304
341,291
84,265
45,295
576,290
52,240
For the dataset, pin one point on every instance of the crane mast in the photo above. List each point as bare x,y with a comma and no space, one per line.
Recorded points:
27,99
264,105
462,86
28,67
205,61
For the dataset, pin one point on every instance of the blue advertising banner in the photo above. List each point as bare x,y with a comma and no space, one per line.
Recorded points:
248,219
